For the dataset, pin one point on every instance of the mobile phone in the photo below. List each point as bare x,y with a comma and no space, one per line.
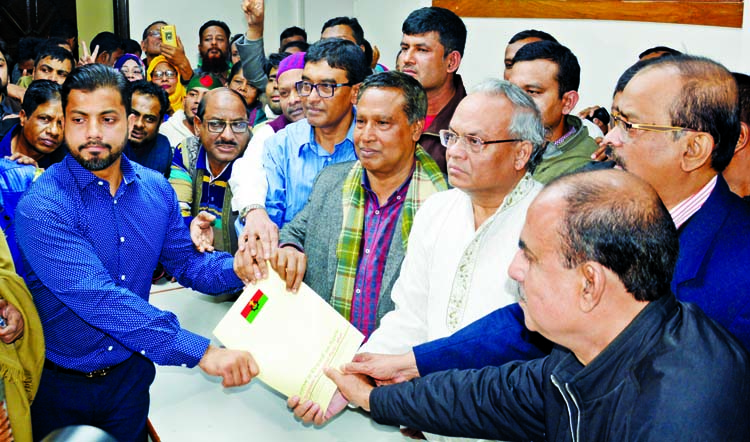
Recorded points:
601,114
169,35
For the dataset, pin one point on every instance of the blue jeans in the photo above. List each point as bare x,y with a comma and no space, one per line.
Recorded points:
117,403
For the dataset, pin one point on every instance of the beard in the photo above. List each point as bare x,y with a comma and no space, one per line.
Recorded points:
97,162
214,65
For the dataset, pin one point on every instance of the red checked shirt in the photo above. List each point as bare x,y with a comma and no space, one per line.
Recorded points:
380,225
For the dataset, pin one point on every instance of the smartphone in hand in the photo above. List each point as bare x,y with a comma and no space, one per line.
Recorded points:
168,35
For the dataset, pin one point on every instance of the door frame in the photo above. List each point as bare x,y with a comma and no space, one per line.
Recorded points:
122,18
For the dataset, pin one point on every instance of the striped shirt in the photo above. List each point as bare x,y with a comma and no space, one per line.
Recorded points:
687,208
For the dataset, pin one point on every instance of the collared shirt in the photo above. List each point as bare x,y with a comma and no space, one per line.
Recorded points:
379,227
14,180
90,257
687,207
212,193
214,188
426,308
292,159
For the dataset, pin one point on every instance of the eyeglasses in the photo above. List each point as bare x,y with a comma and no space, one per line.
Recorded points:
448,138
160,74
618,121
218,126
325,90
155,34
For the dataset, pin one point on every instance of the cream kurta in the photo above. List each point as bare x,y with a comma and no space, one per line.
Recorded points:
452,274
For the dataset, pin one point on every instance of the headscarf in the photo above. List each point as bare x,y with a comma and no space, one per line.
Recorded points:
125,57
175,98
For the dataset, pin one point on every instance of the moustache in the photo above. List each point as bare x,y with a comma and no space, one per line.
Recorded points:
96,144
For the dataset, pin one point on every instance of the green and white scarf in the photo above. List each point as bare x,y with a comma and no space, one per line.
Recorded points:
426,180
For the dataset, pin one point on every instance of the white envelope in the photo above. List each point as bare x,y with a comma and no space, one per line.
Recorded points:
291,336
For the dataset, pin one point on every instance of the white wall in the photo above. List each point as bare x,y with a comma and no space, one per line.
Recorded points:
189,15
604,48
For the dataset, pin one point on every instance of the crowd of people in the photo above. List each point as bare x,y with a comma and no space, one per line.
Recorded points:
519,271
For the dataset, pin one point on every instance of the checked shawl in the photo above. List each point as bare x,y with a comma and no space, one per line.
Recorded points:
426,180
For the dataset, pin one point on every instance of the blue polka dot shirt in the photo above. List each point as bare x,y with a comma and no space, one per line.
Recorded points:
89,257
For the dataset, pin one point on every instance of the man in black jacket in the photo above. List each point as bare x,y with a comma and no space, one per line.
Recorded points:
594,266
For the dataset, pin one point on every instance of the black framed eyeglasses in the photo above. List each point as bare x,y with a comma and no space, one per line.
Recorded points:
325,90
448,138
218,126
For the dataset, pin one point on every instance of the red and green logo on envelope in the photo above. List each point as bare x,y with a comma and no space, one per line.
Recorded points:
251,310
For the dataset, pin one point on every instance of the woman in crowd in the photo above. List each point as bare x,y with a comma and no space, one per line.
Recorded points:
250,93
163,74
131,66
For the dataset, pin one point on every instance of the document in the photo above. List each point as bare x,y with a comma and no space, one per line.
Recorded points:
292,337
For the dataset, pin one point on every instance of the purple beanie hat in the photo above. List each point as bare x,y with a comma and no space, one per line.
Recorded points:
294,61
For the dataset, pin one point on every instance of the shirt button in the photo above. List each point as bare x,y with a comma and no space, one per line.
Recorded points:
122,239
377,212
110,348
357,291
143,352
115,201
101,183
122,277
367,250
184,365
398,197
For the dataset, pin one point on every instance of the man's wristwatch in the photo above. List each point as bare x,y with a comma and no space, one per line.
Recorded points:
247,209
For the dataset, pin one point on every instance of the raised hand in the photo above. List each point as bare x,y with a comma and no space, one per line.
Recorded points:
87,58
202,231
254,14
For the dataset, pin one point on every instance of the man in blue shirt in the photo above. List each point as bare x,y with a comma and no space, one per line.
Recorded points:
91,230
293,157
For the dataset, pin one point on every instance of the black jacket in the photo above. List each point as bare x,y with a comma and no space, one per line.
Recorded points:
672,374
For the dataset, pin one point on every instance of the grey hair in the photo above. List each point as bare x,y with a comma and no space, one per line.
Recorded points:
526,122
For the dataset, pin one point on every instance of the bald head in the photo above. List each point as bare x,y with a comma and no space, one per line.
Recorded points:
616,219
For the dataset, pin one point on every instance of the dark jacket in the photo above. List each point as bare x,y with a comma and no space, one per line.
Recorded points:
672,374
157,155
430,139
711,271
